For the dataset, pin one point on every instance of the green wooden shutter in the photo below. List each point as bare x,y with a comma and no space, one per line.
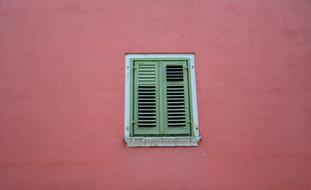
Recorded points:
176,95
146,98
161,105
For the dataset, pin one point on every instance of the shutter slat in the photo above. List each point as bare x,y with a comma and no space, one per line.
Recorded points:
176,113
173,95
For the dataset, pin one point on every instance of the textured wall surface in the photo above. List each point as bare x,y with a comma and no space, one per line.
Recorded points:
62,94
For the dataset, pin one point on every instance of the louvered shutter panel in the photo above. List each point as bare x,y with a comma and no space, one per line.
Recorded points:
177,113
146,98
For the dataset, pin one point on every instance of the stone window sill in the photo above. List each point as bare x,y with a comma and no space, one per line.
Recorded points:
161,141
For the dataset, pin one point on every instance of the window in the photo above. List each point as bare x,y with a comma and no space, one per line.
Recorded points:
160,100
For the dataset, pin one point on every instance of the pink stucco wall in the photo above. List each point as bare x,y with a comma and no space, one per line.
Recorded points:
62,94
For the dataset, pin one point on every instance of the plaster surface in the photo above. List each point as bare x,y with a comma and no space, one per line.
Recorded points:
62,94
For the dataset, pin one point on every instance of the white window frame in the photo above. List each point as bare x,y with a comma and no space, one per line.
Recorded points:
160,141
